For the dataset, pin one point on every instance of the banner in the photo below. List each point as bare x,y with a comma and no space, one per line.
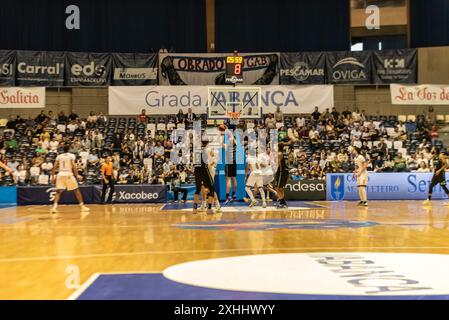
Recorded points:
30,195
302,68
18,97
88,69
7,68
395,66
383,186
305,190
346,67
145,193
40,68
426,94
134,69
169,99
8,195
209,69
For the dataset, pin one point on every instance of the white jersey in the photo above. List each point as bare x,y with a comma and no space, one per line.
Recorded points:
254,164
266,168
65,164
359,162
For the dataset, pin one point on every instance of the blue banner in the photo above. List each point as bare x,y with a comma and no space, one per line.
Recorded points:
8,195
30,195
383,186
139,193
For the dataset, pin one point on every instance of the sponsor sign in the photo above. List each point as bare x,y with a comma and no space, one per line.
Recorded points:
210,69
305,190
7,67
302,68
395,66
135,193
134,69
20,97
88,69
383,186
349,67
169,99
426,94
330,275
46,195
40,68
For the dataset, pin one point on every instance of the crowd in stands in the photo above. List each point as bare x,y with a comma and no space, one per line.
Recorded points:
140,146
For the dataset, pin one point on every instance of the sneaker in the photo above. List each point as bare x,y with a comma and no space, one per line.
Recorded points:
253,203
228,200
84,209
360,203
195,210
247,200
217,209
365,204
264,204
282,206
426,202
203,207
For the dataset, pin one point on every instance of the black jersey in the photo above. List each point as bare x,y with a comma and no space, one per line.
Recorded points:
283,161
437,165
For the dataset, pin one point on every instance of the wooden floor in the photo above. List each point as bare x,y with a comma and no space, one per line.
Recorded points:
40,254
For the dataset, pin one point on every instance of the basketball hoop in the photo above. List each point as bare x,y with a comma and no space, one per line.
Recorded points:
234,115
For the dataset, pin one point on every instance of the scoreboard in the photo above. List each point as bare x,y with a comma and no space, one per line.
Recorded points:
234,69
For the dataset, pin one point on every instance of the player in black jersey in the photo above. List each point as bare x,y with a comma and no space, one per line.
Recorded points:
282,174
439,169
231,168
202,179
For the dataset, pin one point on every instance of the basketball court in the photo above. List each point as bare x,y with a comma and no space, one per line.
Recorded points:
133,251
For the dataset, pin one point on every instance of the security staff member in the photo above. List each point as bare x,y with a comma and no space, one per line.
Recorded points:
107,170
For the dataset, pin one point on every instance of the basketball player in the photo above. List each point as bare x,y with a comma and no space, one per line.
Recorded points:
231,168
439,177
361,173
254,179
212,164
66,178
282,173
202,179
107,173
267,173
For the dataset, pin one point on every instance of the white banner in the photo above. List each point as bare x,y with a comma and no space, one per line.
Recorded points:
18,97
426,94
127,100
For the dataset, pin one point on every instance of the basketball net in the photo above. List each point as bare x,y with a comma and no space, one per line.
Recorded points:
234,115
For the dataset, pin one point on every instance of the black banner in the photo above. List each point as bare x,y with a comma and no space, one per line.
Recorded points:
303,68
395,66
345,67
141,193
305,190
7,67
40,68
88,69
46,195
134,69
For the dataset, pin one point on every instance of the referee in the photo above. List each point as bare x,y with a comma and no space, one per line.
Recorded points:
108,180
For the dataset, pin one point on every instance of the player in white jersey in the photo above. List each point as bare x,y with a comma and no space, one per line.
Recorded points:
255,179
66,178
267,162
362,175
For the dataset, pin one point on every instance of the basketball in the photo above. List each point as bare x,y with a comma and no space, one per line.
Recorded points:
222,127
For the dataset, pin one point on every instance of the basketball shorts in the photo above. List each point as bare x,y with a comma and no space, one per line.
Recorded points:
231,170
203,178
362,180
267,179
66,182
438,179
280,180
254,180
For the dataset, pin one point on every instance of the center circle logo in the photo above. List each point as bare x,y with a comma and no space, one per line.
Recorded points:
327,274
